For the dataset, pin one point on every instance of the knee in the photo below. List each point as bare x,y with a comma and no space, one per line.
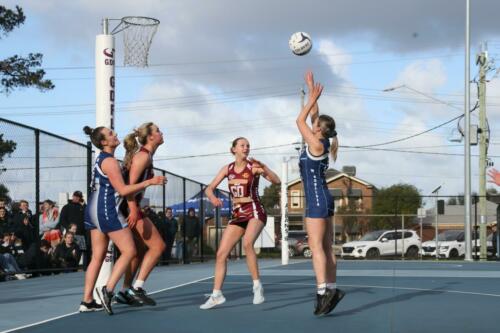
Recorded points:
248,246
315,246
221,256
130,253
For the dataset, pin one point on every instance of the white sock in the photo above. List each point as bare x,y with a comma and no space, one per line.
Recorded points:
257,284
331,285
138,284
321,289
217,293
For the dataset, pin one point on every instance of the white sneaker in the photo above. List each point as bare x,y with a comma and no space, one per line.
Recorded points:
21,276
258,295
213,301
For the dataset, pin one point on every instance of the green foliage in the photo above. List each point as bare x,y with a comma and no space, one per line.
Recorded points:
271,197
7,147
395,200
10,19
17,71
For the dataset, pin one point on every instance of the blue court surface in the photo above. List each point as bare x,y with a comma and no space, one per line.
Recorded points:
381,296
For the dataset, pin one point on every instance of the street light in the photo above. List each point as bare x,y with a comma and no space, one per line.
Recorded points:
423,94
436,191
467,135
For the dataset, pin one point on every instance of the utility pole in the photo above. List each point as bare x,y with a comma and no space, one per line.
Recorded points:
482,62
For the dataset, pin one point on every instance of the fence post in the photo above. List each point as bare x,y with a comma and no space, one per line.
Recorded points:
89,168
184,221
37,179
202,221
402,236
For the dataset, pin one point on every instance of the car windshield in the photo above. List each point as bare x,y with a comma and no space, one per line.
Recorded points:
449,235
372,236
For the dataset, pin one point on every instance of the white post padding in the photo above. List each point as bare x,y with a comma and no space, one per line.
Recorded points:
105,80
105,110
284,212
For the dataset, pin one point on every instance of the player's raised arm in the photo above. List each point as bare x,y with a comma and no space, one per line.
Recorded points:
314,144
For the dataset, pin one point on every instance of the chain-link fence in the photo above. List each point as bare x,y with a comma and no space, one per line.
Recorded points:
36,166
403,227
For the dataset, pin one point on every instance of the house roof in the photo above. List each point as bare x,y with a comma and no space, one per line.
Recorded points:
333,174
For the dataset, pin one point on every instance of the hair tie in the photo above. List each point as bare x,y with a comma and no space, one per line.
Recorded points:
333,133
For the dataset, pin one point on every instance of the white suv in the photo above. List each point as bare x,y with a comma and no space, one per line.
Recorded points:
451,245
383,243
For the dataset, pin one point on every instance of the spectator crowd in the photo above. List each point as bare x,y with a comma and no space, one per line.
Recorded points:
56,241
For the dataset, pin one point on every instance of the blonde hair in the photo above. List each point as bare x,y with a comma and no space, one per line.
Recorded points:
327,126
132,141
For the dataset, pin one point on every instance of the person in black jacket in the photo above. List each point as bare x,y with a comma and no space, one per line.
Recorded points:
171,227
191,228
67,253
494,239
73,212
5,222
26,232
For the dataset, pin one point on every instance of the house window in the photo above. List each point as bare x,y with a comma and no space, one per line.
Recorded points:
295,202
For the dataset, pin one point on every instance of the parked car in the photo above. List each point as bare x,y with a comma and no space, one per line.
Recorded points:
379,243
451,245
297,239
490,251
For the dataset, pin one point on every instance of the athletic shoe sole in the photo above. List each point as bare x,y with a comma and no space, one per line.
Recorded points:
221,301
83,309
339,294
106,307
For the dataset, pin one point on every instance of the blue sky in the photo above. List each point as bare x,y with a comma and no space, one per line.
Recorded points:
222,69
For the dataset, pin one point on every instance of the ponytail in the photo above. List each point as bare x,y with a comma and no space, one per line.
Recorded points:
131,147
327,126
334,147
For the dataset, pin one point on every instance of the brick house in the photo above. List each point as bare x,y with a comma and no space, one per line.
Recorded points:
345,188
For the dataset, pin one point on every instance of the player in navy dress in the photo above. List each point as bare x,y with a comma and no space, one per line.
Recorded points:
319,202
104,220
140,146
248,216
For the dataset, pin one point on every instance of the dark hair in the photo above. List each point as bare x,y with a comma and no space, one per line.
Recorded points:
132,140
327,125
169,208
95,135
235,142
69,233
191,210
44,243
50,202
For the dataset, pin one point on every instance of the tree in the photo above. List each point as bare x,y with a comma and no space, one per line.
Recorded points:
395,200
7,147
271,197
17,71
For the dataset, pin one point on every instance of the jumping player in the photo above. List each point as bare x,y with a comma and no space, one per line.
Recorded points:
104,220
319,202
138,166
248,216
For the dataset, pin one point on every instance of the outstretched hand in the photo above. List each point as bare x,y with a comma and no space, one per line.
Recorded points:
494,176
315,93
309,78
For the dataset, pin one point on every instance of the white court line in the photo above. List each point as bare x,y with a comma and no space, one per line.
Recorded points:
73,313
154,292
376,287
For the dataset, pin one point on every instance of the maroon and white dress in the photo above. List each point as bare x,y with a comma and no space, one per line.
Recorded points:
244,190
